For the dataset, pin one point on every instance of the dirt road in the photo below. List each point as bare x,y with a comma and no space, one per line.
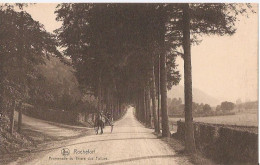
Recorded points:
130,143
46,127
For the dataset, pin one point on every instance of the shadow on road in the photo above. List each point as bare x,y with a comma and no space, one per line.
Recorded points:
94,141
148,133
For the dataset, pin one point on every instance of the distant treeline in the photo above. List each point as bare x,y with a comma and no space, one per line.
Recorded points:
176,108
247,105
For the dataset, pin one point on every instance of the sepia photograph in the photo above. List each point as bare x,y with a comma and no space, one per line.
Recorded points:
128,83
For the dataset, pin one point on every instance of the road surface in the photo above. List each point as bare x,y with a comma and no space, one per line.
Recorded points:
46,127
130,143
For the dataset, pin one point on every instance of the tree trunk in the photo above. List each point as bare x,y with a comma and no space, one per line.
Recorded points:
112,107
118,108
19,117
101,99
137,106
148,108
140,105
12,118
23,53
2,84
158,96
189,134
144,105
153,95
99,92
108,101
163,79
163,83
115,105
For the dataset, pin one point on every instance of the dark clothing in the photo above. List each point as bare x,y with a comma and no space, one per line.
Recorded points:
99,123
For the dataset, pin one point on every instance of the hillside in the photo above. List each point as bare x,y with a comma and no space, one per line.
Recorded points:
56,86
60,76
198,95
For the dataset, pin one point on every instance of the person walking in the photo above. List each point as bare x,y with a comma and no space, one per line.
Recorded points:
100,120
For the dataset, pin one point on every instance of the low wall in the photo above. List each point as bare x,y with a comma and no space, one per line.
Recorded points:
223,144
67,117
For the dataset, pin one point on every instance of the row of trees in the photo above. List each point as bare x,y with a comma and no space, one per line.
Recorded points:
176,108
118,58
117,48
225,106
122,53
248,105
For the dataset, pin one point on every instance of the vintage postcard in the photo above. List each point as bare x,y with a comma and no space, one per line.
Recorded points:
129,83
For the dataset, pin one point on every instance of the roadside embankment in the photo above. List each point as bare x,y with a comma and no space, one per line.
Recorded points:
224,143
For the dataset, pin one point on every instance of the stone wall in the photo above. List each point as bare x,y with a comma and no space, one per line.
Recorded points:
224,144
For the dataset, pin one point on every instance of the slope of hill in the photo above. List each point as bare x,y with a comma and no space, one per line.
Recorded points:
60,76
56,86
198,95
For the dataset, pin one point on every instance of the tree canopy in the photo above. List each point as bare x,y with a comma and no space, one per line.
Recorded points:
24,44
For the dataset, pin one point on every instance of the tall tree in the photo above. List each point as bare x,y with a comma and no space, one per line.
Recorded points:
188,23
153,96
24,44
163,75
189,133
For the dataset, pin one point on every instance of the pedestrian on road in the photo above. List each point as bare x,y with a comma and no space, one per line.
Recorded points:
100,122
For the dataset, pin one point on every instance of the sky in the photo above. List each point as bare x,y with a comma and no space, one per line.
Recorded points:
225,67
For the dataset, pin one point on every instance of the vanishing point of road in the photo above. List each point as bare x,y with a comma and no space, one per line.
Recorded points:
130,143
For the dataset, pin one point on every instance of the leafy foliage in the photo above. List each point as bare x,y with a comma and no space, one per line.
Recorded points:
227,106
59,84
24,44
114,42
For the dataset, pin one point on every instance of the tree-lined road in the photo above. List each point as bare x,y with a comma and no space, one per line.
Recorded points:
130,143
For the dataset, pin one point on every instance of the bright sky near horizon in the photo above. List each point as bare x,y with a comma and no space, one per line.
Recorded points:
224,67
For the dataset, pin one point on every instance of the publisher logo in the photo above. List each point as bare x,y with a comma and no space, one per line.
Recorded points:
65,151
